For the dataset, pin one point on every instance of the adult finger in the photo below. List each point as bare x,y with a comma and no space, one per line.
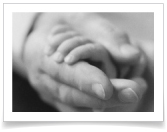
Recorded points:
129,90
121,48
58,92
82,76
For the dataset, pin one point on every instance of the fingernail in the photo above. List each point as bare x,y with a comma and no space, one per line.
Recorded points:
99,91
58,57
128,95
69,59
127,49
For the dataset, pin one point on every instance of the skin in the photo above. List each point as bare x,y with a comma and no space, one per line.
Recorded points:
59,84
67,45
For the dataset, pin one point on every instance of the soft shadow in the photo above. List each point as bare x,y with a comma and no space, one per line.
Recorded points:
11,125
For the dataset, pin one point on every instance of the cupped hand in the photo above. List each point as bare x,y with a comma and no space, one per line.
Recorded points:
74,88
79,85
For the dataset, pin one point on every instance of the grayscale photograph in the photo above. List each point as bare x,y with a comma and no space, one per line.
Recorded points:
83,62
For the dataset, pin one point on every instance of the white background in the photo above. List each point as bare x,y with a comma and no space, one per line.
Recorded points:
101,126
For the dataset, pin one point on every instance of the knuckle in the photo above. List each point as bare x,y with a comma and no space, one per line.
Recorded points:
91,47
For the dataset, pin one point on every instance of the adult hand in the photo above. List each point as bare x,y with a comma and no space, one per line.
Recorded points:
80,85
69,87
123,53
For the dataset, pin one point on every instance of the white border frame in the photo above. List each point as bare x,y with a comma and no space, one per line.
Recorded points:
157,115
